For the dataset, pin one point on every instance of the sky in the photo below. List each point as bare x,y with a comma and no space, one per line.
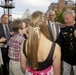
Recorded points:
32,5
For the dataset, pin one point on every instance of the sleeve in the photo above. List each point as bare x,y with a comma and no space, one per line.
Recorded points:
59,40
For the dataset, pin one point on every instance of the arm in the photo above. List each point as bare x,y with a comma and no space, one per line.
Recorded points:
3,39
22,58
59,40
57,60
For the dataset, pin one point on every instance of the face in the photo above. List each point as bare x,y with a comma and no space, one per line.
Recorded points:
52,16
69,19
24,29
5,19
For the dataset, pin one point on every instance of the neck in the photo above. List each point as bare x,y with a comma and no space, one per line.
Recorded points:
52,21
71,24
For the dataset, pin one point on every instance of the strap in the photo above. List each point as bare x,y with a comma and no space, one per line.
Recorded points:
24,50
52,51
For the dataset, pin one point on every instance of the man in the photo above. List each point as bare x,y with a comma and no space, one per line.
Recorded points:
53,26
67,41
4,49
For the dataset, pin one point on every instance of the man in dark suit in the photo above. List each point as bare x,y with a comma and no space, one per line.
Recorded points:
53,26
4,49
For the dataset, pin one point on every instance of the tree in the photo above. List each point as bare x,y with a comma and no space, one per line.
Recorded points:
59,16
74,8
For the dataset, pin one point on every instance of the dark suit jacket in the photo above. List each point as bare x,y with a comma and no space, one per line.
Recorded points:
50,31
4,50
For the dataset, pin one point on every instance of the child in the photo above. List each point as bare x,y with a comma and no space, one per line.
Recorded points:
19,29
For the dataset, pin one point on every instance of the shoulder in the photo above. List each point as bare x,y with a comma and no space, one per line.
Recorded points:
57,49
57,52
21,47
57,46
63,28
58,23
23,44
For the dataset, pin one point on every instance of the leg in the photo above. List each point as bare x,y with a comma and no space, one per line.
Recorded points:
5,68
66,68
10,68
16,68
74,68
5,65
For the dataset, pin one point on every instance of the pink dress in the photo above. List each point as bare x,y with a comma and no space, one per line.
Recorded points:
47,71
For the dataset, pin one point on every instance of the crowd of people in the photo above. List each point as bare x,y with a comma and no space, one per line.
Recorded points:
38,47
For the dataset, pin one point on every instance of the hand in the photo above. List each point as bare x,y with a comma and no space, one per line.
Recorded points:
3,39
1,44
11,33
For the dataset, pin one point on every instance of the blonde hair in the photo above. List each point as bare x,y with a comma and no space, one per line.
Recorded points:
71,12
37,26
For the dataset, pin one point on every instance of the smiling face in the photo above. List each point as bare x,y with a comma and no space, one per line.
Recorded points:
52,16
69,19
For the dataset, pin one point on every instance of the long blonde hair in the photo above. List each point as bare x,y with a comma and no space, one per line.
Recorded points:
37,26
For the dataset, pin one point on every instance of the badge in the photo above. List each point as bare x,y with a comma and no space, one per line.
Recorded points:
65,33
75,32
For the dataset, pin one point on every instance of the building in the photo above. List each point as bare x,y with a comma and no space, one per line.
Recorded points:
26,15
68,4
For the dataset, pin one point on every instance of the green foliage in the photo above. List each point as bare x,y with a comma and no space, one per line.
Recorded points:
59,16
74,8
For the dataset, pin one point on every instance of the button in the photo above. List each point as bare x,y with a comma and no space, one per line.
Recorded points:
71,29
70,35
64,36
71,47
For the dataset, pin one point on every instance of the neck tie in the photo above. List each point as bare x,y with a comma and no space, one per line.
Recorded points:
7,33
53,31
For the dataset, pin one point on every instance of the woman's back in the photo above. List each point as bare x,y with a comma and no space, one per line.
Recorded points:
38,47
46,53
45,48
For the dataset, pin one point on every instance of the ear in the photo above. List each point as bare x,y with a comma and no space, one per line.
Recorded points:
19,30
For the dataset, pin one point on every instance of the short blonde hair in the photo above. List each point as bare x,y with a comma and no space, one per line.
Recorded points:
71,12
52,11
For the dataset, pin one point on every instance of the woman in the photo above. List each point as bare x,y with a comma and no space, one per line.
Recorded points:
43,55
